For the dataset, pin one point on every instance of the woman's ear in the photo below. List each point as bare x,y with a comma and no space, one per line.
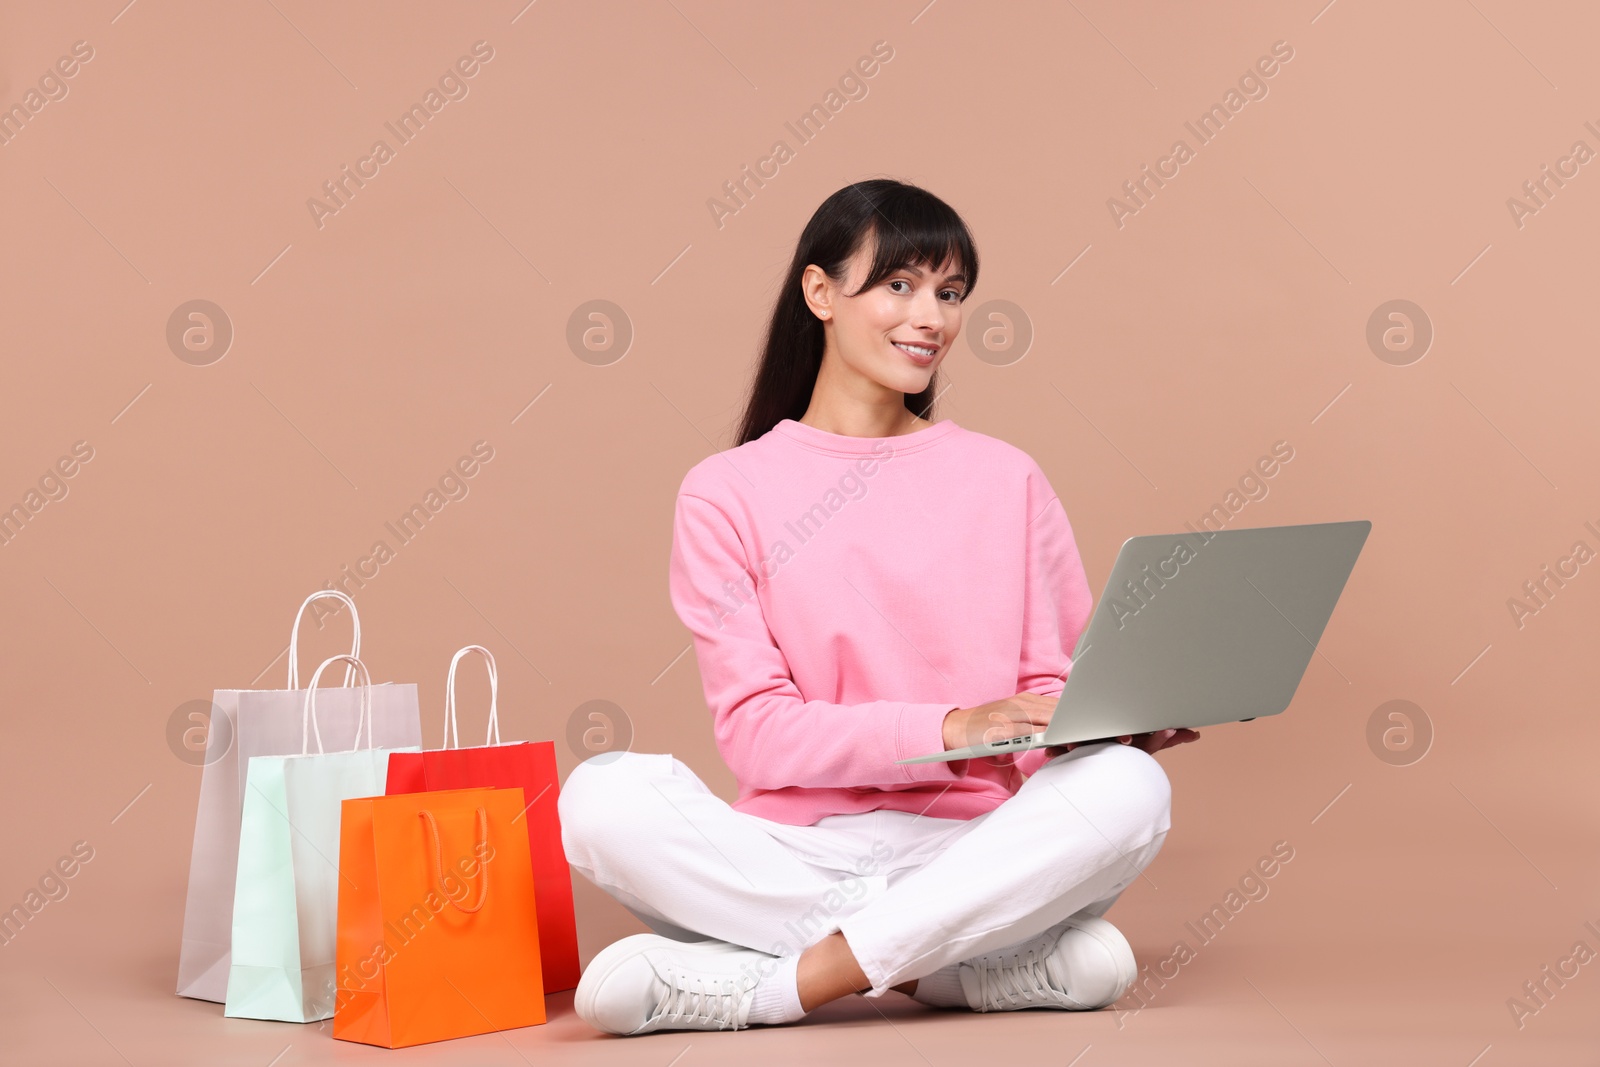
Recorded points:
818,290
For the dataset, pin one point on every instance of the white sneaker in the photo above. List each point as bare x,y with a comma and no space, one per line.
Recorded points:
1080,964
647,982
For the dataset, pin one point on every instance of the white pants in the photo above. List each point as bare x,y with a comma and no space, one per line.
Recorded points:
911,893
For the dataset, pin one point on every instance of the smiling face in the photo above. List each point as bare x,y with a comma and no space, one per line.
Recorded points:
895,334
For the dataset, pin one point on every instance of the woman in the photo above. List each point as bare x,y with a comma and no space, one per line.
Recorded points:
865,585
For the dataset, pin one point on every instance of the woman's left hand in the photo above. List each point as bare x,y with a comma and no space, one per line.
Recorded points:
1151,742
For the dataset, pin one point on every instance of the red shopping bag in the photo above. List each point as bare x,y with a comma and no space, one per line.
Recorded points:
532,766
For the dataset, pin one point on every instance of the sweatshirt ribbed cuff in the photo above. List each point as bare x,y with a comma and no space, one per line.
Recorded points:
921,733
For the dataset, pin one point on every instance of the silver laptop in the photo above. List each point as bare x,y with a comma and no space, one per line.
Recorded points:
1195,629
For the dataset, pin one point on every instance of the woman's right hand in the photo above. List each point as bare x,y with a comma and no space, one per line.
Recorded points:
1025,713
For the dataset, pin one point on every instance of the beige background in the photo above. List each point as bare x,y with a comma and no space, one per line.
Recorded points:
1230,312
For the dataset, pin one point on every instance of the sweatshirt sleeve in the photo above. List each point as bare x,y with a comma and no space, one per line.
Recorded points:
770,736
1056,606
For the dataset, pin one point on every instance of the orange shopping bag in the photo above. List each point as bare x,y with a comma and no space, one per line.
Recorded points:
437,932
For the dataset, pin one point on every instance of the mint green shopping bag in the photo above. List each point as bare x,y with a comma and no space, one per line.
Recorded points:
285,902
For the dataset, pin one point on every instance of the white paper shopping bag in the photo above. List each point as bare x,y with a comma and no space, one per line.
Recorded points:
286,895
264,722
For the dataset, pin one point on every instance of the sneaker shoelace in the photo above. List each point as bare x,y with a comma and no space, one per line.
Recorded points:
1016,981
694,999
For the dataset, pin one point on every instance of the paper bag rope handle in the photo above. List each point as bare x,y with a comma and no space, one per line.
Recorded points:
438,858
294,636
308,722
452,739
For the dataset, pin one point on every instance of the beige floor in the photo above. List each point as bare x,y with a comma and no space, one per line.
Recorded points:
1377,981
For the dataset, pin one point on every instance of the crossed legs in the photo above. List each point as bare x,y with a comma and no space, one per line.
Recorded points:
643,827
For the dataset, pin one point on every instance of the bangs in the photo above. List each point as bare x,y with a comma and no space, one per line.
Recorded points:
919,231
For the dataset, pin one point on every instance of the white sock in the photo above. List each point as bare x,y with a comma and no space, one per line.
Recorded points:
777,996
942,988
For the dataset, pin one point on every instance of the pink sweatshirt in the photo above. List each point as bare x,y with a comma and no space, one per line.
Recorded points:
845,593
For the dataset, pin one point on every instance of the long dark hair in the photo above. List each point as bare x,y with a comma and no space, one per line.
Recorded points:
908,226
